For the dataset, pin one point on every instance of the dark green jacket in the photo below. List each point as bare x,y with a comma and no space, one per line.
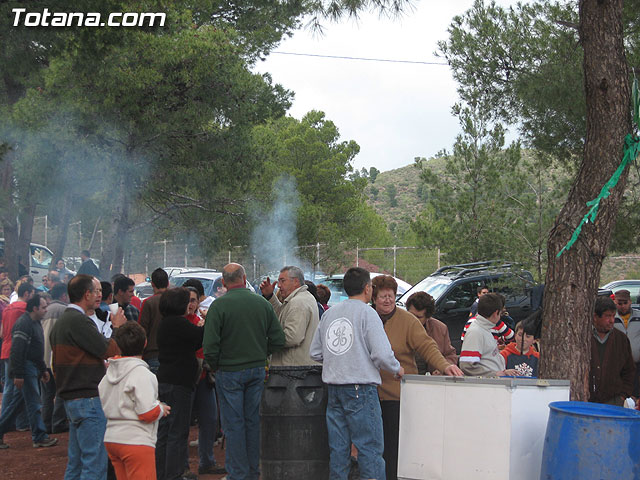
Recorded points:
240,331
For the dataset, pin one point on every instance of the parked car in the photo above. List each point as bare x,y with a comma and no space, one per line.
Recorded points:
632,285
206,276
39,261
454,289
143,290
334,282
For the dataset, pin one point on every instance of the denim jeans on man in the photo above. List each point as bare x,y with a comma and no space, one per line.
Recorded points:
172,447
206,409
354,416
22,420
13,398
87,454
53,413
239,394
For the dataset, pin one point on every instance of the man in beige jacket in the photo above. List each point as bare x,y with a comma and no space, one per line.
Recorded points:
298,315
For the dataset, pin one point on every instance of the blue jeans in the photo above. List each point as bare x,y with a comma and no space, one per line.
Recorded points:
240,394
172,447
22,420
14,398
206,409
354,416
87,455
154,364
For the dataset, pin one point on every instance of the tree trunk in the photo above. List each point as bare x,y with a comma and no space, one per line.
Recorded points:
572,280
27,215
10,228
113,257
60,243
8,213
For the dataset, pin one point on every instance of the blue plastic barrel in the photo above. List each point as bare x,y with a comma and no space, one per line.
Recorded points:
590,441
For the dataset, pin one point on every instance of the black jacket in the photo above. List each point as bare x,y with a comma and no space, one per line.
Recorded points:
178,341
27,344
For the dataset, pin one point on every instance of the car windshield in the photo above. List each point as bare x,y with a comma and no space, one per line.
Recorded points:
434,286
207,283
337,291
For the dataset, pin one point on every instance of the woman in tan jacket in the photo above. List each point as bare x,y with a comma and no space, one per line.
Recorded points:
406,336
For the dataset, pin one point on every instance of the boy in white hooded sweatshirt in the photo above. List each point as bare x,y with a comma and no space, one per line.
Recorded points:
129,396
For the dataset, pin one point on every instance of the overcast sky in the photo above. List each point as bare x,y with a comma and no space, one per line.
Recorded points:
394,111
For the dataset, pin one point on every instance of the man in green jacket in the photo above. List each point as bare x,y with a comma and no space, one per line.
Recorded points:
240,332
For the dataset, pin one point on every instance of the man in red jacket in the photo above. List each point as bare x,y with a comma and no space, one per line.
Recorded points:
10,316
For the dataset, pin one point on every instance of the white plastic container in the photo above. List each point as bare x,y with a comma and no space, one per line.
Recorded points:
467,428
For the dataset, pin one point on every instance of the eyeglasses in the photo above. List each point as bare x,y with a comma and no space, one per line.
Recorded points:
385,297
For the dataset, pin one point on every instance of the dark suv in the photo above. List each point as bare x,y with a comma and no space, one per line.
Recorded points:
454,290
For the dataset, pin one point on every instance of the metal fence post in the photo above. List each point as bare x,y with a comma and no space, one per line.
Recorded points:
394,259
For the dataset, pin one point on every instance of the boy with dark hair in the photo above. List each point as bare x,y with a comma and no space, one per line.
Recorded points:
150,317
123,293
480,291
520,355
352,345
422,306
480,355
129,397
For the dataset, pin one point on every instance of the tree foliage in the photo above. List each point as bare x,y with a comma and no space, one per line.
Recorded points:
491,201
167,112
332,207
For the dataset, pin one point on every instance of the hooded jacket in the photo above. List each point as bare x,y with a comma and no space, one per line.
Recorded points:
129,397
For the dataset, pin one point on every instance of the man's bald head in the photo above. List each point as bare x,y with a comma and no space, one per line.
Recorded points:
233,274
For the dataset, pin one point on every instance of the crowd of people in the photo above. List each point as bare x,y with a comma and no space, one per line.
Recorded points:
127,378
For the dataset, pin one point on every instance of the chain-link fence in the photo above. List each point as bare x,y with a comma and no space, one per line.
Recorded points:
411,264
143,255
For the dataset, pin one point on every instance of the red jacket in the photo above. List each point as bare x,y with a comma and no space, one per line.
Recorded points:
10,316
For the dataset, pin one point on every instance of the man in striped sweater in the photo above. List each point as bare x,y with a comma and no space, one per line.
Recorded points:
79,352
480,355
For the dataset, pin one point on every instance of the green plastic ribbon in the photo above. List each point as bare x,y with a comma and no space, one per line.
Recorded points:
631,150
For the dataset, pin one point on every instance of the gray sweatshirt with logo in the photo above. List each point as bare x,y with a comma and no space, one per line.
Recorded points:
352,346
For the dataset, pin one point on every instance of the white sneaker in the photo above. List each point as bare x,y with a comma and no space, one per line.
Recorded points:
193,443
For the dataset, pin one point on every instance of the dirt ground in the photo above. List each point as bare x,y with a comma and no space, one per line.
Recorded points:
23,462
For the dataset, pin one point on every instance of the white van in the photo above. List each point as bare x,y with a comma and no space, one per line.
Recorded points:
40,260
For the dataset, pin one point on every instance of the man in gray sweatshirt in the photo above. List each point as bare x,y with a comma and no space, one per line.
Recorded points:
352,346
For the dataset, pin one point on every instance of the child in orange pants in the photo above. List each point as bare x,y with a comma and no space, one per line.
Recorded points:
129,396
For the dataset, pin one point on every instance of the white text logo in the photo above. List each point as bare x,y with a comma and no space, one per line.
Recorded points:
91,19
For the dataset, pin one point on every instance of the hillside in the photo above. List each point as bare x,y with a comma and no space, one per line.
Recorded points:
396,194
409,202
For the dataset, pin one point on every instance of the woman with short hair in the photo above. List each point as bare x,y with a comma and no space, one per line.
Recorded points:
178,340
406,336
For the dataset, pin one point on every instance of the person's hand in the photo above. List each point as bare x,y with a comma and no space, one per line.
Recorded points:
453,371
46,377
267,288
119,318
166,409
400,373
18,382
200,322
510,372
436,372
203,312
